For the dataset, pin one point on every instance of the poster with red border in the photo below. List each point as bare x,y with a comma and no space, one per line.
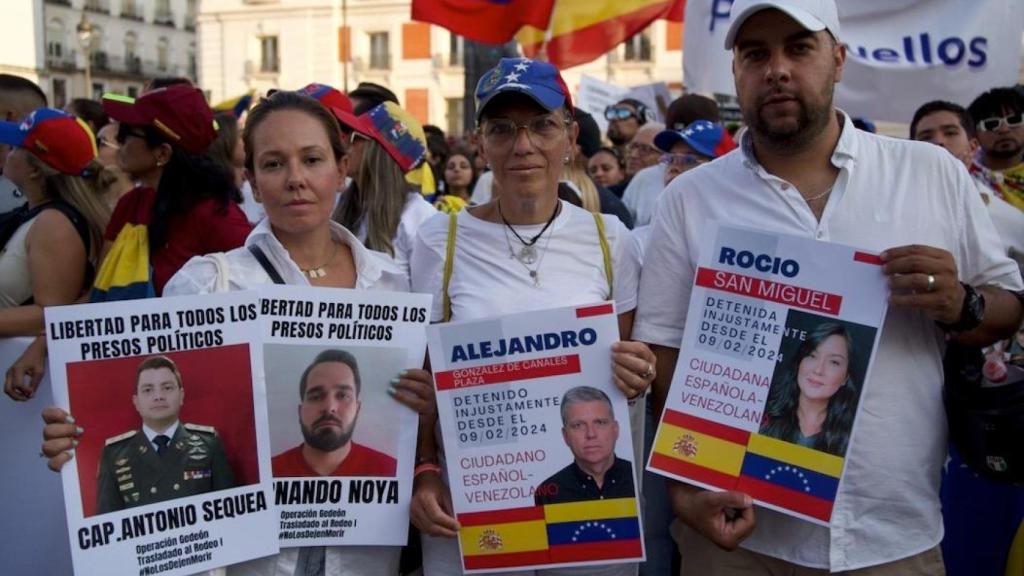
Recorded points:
537,442
171,474
777,349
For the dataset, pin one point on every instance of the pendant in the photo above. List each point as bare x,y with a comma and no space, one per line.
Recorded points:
536,277
528,255
315,273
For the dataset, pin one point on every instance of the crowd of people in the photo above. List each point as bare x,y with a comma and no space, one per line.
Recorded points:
535,209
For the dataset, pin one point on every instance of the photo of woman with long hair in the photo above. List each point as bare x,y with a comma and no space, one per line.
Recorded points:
815,401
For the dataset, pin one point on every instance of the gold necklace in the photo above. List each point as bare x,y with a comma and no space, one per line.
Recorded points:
319,271
820,196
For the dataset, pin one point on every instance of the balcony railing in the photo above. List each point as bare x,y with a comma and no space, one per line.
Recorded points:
65,61
100,61
100,6
59,2
164,19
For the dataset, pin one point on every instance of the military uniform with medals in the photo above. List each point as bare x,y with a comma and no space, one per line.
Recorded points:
132,473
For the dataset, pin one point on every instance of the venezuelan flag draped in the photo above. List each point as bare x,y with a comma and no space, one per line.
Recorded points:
125,273
487,21
237,105
552,534
583,30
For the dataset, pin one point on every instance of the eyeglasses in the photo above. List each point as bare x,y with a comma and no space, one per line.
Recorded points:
124,131
106,143
681,160
543,131
619,113
994,123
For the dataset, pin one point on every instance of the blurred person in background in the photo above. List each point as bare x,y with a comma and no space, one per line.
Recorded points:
90,111
50,247
18,97
380,207
607,168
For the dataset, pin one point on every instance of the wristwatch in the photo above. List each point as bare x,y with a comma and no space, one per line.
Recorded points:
971,314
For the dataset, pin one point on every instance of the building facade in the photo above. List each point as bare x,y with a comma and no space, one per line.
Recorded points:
129,41
261,44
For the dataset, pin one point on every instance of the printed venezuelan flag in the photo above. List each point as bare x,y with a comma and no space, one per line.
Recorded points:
487,21
699,449
789,475
593,530
583,30
504,538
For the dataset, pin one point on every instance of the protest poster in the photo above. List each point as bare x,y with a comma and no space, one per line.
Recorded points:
343,448
528,491
777,349
158,484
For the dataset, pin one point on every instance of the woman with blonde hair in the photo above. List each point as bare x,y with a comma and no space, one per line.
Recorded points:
51,245
380,206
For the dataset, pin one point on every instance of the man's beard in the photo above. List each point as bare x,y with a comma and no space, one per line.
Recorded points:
1004,153
810,122
327,438
617,137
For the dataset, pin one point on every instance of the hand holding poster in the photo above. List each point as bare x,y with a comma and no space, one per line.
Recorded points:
159,485
537,440
777,347
343,464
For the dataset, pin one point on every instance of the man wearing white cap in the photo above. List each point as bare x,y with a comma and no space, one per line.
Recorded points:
802,169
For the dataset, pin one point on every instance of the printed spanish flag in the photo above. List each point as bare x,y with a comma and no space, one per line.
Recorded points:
705,451
504,538
487,21
583,30
801,479
593,530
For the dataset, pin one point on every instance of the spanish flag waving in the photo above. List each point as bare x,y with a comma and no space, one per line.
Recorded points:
583,30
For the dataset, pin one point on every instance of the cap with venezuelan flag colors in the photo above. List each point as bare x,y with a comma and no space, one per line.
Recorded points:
60,140
333,99
179,112
396,130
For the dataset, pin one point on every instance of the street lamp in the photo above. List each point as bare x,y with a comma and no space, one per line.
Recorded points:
84,29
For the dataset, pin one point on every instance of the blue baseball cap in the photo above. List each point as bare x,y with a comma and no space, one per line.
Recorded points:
60,140
706,138
541,81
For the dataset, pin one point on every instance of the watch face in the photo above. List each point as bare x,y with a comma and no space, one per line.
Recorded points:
973,311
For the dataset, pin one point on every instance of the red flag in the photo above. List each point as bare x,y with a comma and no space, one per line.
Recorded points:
487,21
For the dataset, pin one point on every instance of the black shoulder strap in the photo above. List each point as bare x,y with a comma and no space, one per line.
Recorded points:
11,221
265,263
76,218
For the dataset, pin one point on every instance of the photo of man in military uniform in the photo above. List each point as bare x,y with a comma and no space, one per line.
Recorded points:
165,458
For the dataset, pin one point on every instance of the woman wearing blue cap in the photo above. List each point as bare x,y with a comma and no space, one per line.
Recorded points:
526,250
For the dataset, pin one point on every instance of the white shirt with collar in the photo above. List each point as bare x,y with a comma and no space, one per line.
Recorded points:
374,271
642,193
888,193
1008,219
150,433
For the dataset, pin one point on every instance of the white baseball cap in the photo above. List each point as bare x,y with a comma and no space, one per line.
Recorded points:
814,15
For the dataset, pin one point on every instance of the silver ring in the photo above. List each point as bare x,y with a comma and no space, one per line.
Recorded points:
931,284
649,372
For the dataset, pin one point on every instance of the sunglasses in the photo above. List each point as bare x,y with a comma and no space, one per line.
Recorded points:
994,123
682,160
618,113
124,131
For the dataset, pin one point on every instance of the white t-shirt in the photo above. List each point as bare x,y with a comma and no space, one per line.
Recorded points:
486,281
1008,220
642,193
374,271
483,191
416,211
15,277
889,193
